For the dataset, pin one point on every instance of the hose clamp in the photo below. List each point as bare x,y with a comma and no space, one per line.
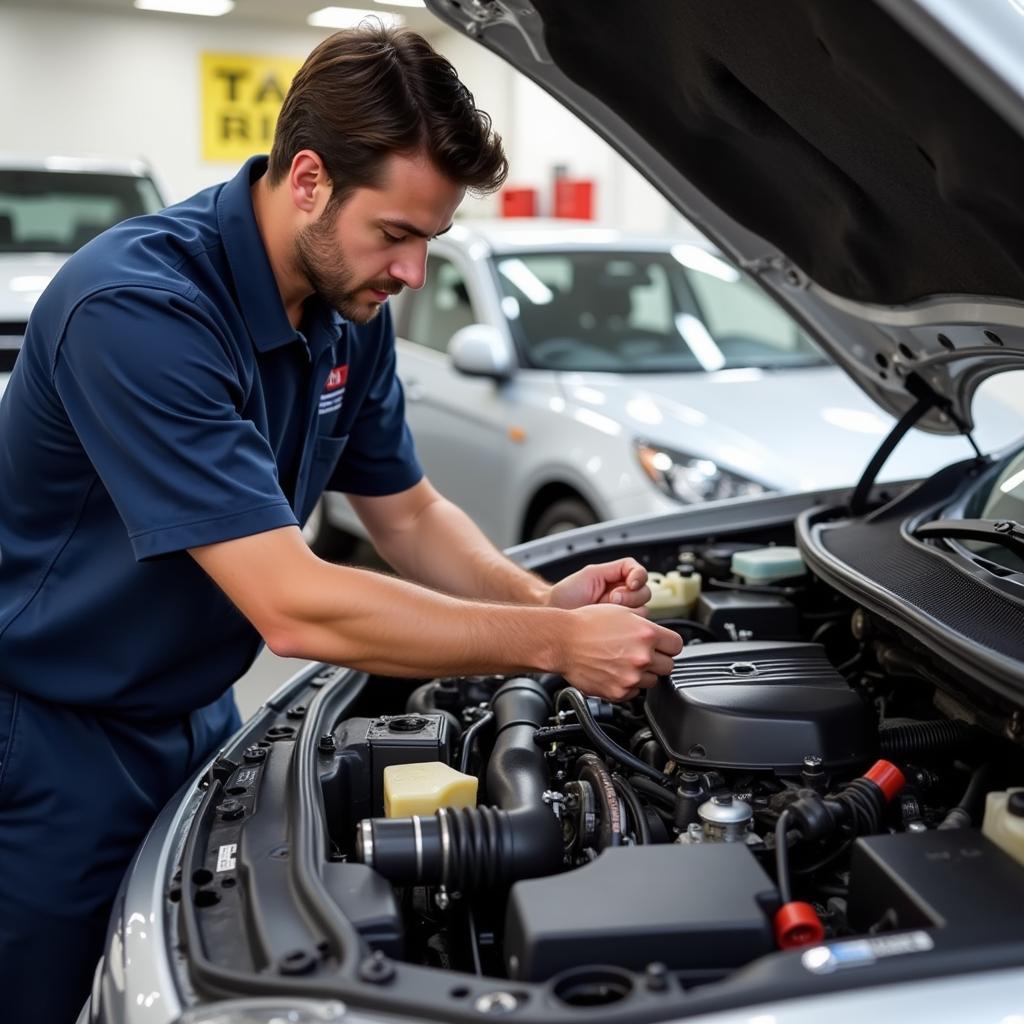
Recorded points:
417,829
446,844
366,840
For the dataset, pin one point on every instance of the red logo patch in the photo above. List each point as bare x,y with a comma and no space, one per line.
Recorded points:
337,378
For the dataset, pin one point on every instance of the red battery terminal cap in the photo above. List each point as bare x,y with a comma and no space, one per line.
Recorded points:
796,925
887,777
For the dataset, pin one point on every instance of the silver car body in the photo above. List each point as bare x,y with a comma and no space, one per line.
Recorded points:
504,450
24,274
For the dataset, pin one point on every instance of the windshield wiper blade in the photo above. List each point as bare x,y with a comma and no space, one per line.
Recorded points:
999,532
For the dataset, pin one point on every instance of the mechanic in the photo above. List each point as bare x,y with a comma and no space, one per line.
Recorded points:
190,383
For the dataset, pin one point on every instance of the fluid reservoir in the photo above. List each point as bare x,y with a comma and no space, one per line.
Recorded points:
673,594
425,787
725,819
1004,821
768,565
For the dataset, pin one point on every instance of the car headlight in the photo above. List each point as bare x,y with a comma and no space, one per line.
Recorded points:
266,1011
690,478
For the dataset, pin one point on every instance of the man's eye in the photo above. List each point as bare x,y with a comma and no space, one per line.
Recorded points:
392,238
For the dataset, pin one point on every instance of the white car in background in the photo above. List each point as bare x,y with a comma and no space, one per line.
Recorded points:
50,207
558,374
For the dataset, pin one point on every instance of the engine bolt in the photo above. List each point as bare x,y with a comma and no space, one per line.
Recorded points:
377,969
255,754
657,977
495,1003
327,744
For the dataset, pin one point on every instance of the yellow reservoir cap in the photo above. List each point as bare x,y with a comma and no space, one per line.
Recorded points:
424,787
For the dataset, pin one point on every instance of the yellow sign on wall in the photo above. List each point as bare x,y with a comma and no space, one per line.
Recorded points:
242,95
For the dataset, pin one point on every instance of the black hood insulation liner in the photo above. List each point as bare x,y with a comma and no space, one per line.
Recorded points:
821,126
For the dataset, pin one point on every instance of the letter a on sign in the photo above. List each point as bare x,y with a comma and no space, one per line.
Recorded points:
242,95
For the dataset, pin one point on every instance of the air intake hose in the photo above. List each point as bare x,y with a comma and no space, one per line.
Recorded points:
912,739
480,847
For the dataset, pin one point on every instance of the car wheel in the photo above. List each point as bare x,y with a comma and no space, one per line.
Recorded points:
564,514
326,540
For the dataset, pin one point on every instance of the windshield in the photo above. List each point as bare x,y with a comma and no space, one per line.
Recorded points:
1003,500
59,211
681,309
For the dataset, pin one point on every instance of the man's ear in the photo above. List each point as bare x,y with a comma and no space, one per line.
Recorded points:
308,182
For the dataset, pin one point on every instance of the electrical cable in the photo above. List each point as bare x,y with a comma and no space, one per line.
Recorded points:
466,746
578,703
782,858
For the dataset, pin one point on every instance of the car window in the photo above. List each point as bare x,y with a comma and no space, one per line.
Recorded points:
59,211
595,309
748,328
441,307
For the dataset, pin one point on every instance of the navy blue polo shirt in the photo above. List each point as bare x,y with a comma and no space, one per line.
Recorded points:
162,401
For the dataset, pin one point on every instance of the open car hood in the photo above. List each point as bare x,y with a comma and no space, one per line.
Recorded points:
864,159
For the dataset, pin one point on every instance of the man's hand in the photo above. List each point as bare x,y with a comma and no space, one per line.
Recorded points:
614,654
623,582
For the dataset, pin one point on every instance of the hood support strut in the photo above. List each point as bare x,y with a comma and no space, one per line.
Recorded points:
927,399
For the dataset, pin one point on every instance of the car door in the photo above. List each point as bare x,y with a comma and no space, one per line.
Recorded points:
460,423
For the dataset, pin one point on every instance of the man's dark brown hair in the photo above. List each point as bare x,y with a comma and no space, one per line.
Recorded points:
366,93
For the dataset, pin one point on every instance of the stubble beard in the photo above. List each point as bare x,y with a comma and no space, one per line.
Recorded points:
323,262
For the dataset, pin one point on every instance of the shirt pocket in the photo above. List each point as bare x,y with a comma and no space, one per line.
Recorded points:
327,451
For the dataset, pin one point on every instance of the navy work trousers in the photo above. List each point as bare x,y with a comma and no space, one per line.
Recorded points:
79,789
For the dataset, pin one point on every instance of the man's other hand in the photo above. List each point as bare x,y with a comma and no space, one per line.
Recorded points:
622,582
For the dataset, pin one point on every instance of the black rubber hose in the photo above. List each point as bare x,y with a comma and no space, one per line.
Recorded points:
469,737
641,829
481,847
782,858
915,738
969,809
590,768
653,791
578,703
422,702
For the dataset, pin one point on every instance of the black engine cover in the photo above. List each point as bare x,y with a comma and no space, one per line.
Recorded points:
759,705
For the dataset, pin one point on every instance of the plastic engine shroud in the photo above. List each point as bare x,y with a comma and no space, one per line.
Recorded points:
759,705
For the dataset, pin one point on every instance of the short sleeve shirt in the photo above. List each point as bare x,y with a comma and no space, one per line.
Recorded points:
162,400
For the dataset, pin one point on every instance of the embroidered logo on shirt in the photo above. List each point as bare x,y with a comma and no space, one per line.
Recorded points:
334,390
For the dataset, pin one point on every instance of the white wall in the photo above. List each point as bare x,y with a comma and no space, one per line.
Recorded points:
541,135
128,85
123,86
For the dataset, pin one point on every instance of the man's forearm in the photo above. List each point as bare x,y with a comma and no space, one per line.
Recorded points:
446,550
353,617
308,608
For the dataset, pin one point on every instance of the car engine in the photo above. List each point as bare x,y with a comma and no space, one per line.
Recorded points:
775,792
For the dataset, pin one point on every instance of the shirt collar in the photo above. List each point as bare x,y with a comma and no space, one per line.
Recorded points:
255,284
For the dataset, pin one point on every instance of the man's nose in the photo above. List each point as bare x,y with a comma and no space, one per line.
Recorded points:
411,267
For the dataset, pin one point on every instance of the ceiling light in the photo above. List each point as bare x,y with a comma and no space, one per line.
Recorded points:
401,3
203,8
349,17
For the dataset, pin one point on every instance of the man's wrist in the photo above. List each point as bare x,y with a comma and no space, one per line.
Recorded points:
550,642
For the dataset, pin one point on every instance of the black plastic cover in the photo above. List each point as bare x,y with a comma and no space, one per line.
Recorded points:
954,879
702,909
729,614
759,705
368,901
366,746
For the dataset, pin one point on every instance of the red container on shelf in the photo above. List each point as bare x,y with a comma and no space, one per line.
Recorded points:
574,198
519,202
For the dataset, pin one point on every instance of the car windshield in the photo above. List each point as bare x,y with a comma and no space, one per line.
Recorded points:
1003,500
679,309
59,211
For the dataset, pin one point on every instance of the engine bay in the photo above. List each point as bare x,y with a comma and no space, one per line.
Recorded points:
810,790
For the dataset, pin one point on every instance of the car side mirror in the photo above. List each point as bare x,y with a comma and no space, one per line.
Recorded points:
481,350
